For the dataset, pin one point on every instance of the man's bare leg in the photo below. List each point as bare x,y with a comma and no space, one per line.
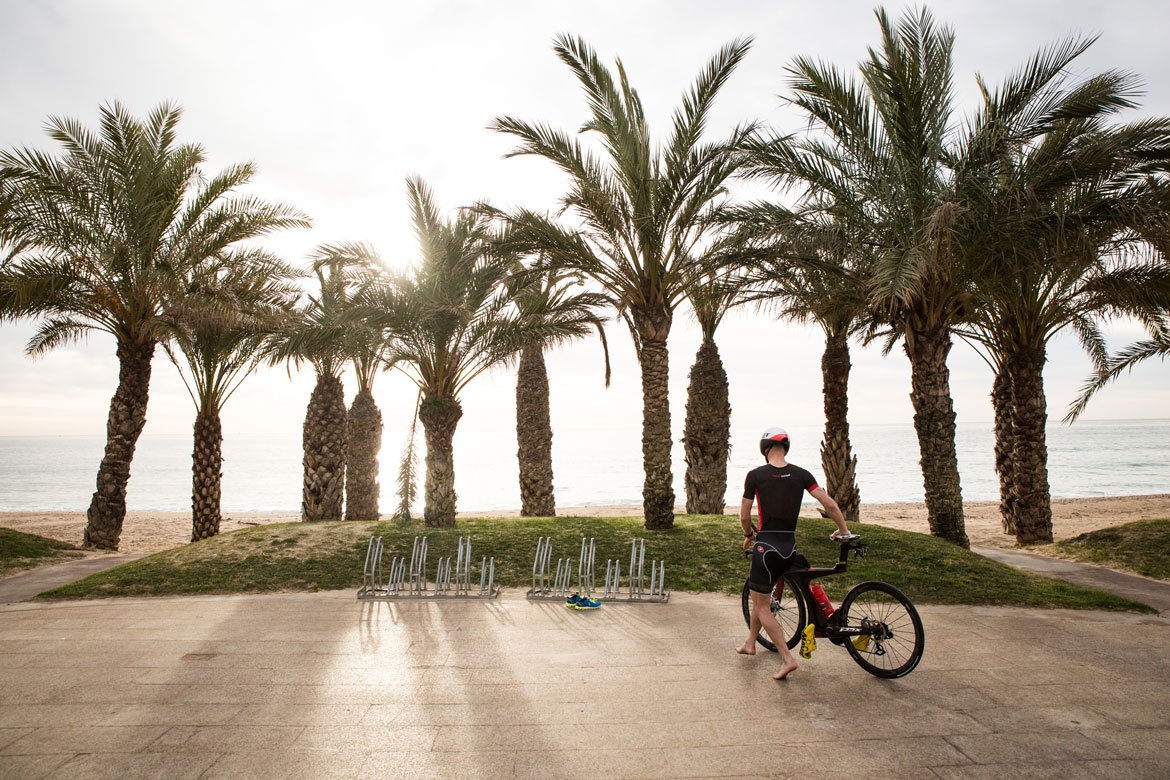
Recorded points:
754,626
762,611
749,645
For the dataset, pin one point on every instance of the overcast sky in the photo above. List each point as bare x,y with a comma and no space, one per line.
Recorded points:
339,102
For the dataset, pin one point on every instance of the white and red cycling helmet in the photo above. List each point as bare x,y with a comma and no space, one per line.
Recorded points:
772,437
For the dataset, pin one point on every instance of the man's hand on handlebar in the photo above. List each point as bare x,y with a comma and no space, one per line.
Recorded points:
843,536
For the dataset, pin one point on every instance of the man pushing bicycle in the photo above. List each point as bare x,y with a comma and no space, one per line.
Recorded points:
776,489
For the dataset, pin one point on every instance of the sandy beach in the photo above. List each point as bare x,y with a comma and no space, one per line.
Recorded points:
146,532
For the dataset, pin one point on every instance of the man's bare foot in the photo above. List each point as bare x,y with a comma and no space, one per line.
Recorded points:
786,670
746,649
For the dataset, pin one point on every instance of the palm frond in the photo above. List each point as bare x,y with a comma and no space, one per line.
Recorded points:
215,335
108,231
1121,363
634,218
53,332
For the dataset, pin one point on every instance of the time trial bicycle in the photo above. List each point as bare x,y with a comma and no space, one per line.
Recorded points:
876,623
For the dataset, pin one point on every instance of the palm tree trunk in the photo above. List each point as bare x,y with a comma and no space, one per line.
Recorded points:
1001,404
107,508
837,456
707,433
934,421
1033,502
534,435
324,442
439,417
207,475
658,488
364,441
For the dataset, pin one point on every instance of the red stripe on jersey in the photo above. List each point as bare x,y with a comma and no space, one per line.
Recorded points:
814,487
759,512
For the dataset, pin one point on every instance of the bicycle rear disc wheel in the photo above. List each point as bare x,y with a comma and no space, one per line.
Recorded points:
788,609
893,639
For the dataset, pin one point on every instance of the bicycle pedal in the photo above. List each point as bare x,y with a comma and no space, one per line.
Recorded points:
808,641
861,643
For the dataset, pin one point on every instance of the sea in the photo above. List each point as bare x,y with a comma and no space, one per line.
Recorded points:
592,468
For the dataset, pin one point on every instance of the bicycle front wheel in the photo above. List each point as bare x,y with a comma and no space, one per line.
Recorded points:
787,608
892,638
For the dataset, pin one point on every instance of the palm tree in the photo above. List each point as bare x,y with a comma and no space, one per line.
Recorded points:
102,238
641,213
216,341
888,141
326,334
407,480
818,268
555,313
1066,203
815,271
707,426
364,442
364,420
835,300
448,320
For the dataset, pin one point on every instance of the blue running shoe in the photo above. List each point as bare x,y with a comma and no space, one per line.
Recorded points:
587,603
574,601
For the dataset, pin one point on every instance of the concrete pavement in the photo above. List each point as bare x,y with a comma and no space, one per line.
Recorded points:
23,586
1155,593
319,685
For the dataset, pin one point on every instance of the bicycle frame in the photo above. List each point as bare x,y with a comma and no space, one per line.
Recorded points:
824,627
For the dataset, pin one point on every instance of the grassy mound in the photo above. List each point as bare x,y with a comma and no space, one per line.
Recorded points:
702,553
1142,547
21,551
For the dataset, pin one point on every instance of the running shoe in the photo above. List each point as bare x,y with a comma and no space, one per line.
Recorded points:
587,603
574,601
808,641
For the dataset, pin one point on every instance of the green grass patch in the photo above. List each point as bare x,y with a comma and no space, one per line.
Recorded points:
702,553
20,551
1142,547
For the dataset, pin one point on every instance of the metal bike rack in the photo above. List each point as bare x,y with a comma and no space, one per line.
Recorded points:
547,583
418,567
638,589
540,581
551,584
585,566
457,582
409,581
372,584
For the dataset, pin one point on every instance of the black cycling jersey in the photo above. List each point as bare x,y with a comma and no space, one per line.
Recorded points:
777,492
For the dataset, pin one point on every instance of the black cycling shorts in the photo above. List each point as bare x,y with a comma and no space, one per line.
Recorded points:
773,553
